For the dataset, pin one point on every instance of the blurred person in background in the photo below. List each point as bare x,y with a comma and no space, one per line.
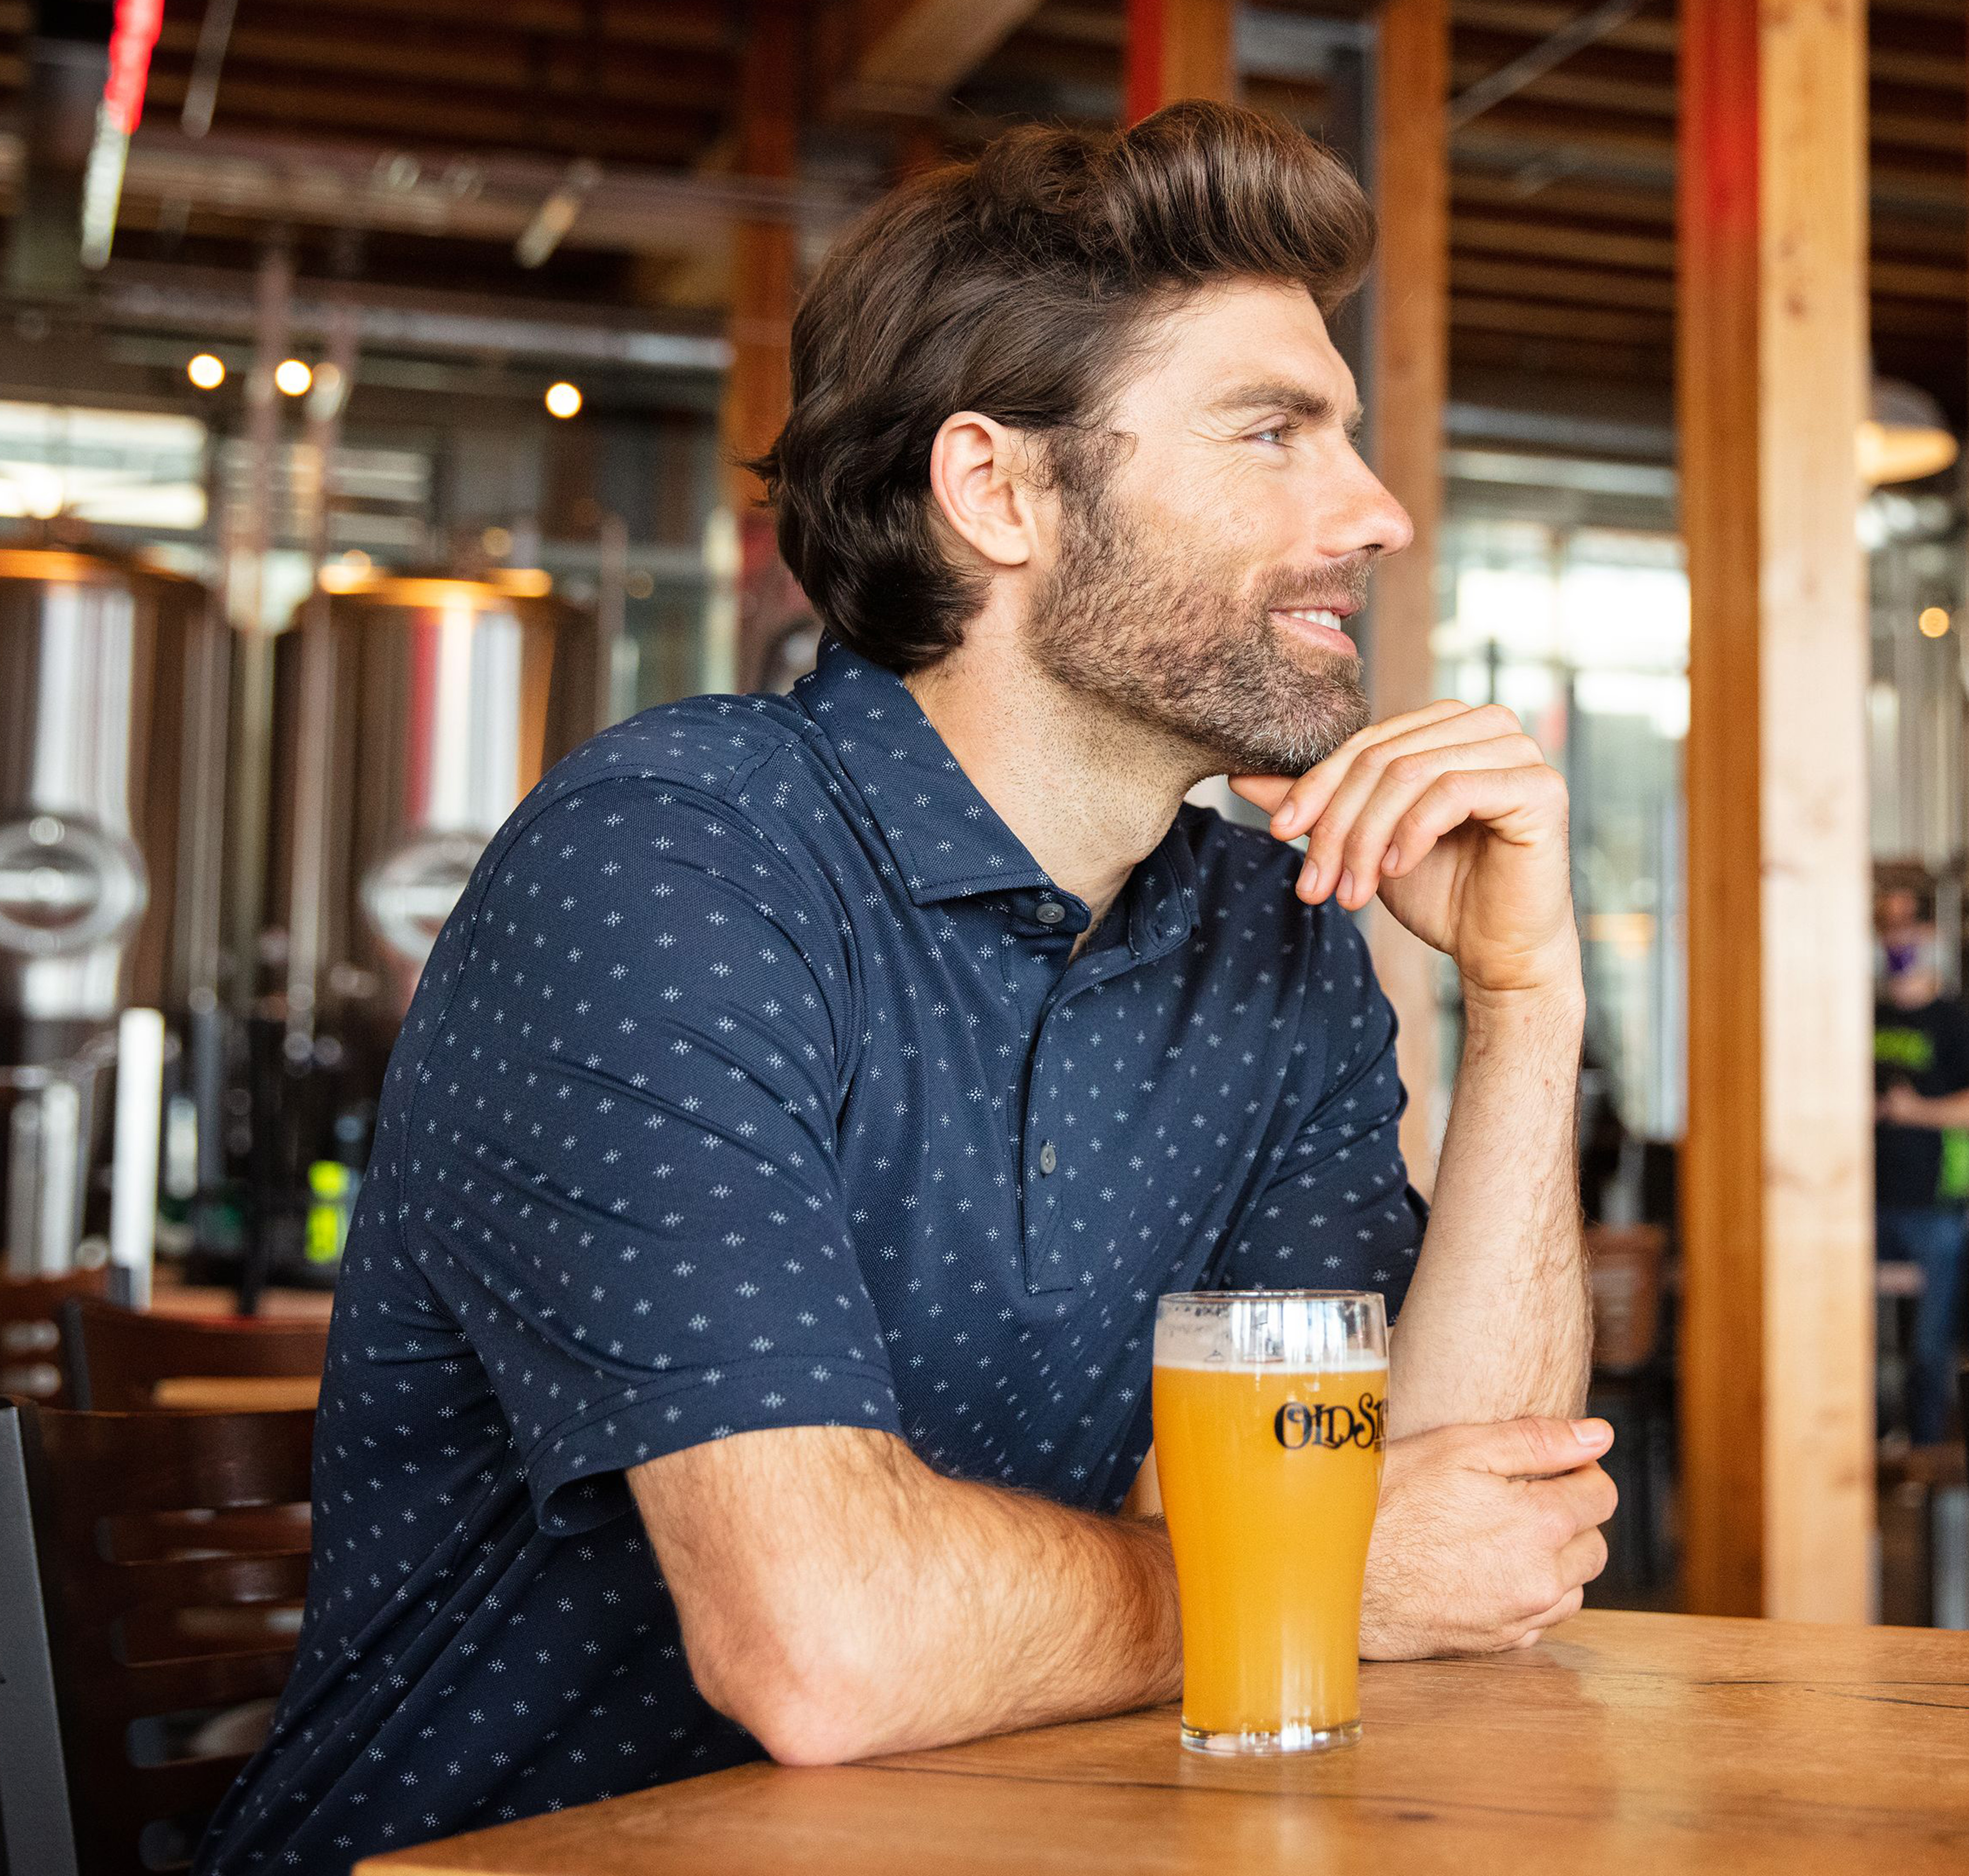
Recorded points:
1921,1145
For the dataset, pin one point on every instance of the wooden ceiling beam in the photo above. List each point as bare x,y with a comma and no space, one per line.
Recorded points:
1471,349
704,25
1540,318
1563,241
1561,286
1605,201
1636,96
1530,21
666,137
434,59
908,56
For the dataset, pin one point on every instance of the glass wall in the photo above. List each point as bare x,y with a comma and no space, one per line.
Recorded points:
1582,629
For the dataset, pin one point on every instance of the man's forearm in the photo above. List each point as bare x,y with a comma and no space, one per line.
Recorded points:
949,1610
1939,1112
1497,1323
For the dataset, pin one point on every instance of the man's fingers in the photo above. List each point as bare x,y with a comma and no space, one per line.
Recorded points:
1355,840
1583,1559
1566,1607
1495,797
1535,1447
1262,791
1298,802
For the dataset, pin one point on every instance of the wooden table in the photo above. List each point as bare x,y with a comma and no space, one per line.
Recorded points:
1663,1744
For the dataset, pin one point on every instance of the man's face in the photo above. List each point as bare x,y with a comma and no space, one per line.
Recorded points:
1200,585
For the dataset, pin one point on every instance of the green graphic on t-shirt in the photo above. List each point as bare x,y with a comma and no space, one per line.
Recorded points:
1952,1183
1910,1049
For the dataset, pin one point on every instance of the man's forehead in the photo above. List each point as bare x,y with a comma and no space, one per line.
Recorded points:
1252,343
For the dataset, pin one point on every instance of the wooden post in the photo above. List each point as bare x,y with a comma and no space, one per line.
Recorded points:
1777,1352
1410,376
1178,48
765,288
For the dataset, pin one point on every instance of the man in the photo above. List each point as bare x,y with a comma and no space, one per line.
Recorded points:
1921,1146
743,1344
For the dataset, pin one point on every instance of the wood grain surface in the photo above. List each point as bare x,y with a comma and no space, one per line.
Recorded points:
1625,1743
1777,1375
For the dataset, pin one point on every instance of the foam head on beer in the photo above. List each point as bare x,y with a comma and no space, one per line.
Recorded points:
1270,1409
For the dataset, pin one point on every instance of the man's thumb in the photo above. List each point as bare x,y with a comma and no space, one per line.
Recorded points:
1535,1446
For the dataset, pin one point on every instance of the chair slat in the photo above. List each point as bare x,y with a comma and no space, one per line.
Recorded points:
104,1488
114,1589
30,1335
118,1357
183,1462
152,1689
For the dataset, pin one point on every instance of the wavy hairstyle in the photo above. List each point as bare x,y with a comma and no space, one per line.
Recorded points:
1021,284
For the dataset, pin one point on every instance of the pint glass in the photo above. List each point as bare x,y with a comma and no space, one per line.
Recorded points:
1270,1408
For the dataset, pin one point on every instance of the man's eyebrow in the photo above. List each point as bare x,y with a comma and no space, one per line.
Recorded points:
1309,407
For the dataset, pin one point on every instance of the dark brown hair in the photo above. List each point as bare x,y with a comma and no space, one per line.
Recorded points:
1019,285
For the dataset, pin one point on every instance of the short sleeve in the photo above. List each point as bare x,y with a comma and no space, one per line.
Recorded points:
1336,1211
620,1177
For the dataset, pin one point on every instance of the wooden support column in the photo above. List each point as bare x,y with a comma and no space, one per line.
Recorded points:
1410,382
765,256
1179,49
1778,1337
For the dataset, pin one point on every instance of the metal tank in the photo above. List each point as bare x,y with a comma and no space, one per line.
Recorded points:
410,716
113,684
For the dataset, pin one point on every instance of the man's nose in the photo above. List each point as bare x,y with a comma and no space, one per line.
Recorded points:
1373,521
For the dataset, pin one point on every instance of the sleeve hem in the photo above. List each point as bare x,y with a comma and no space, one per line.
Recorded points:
697,1405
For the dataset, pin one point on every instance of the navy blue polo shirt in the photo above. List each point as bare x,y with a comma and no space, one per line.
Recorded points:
750,1086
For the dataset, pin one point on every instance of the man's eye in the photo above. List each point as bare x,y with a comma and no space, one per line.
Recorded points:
1275,433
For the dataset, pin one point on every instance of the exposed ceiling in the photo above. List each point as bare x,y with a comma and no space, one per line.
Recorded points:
408,142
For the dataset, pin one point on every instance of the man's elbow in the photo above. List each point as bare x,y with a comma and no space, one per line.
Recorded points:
811,1711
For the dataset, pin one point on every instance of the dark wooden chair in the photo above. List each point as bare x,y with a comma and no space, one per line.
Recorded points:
128,1360
155,1565
31,1352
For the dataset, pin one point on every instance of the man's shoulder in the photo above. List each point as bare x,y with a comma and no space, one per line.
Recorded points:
721,765
710,747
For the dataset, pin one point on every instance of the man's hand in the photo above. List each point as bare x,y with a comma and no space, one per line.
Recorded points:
1454,816
1486,1536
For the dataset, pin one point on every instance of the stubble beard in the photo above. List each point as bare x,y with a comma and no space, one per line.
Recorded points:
1160,636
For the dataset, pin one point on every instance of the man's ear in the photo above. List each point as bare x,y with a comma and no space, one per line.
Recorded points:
978,474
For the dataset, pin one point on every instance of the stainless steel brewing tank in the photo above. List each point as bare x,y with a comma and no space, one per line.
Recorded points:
411,715
113,695
113,680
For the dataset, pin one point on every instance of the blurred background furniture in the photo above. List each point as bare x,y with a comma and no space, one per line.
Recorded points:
31,1352
1631,1390
153,1598
126,1361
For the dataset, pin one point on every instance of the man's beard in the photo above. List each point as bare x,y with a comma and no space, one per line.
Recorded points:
1160,635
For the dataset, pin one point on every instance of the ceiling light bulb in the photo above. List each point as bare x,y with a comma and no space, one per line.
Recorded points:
207,370
563,399
293,377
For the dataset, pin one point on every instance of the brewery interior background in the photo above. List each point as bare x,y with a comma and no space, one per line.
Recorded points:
370,375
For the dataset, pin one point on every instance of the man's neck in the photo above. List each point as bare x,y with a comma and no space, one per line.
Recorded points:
1087,793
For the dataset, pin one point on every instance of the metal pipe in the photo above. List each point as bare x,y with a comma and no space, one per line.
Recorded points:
1532,64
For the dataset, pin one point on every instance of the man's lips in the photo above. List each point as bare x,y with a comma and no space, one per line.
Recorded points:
1318,625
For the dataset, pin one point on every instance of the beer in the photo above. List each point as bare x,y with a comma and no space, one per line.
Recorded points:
1270,1470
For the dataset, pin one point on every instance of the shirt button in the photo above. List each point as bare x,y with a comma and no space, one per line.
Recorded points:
1049,1158
1050,912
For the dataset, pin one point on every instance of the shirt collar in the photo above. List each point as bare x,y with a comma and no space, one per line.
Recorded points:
948,841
